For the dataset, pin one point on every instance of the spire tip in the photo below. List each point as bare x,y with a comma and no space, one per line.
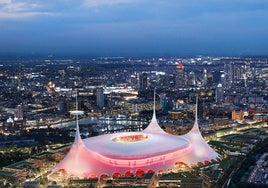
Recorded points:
196,108
154,104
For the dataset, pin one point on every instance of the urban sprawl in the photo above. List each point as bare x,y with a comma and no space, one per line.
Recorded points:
117,95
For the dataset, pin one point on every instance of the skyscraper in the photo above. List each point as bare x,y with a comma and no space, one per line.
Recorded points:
18,114
191,79
234,73
205,77
100,97
180,77
223,80
209,80
62,106
166,103
219,93
134,81
143,81
229,74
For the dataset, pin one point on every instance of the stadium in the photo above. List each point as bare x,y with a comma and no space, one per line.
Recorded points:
126,153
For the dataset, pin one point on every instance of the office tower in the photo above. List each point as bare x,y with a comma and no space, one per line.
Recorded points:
100,97
180,77
205,77
171,80
62,107
18,114
143,81
134,81
239,71
209,80
166,104
234,73
191,79
229,74
223,81
18,124
248,69
219,93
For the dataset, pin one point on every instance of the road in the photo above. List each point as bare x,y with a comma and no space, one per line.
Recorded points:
228,180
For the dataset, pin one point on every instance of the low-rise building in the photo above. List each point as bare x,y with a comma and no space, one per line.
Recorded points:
182,179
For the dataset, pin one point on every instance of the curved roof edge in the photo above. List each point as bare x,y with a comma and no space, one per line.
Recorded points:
82,162
77,139
72,161
154,127
195,128
201,149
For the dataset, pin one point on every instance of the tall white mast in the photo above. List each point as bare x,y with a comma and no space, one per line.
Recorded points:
76,113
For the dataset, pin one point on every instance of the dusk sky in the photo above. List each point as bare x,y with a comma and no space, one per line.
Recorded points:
134,27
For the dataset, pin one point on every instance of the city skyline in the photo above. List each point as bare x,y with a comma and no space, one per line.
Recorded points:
134,27
118,141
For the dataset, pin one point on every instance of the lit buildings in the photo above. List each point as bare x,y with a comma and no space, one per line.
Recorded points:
229,74
219,93
191,81
166,104
205,77
143,82
258,176
223,81
209,80
100,97
237,115
236,73
18,113
137,152
177,114
181,76
62,107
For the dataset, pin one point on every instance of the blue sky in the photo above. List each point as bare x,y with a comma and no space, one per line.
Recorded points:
134,27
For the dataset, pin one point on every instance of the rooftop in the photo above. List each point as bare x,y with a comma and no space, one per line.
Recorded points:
20,165
7,173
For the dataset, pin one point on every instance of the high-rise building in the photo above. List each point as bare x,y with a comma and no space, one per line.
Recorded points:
18,124
62,107
166,104
205,77
18,114
181,76
223,81
100,97
171,80
238,72
191,79
219,93
209,80
248,69
143,83
229,74
133,81
234,73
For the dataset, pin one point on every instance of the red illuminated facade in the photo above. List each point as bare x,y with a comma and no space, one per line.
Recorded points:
133,153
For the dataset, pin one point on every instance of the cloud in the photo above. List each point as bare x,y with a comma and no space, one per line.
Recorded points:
98,3
5,1
23,15
14,9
